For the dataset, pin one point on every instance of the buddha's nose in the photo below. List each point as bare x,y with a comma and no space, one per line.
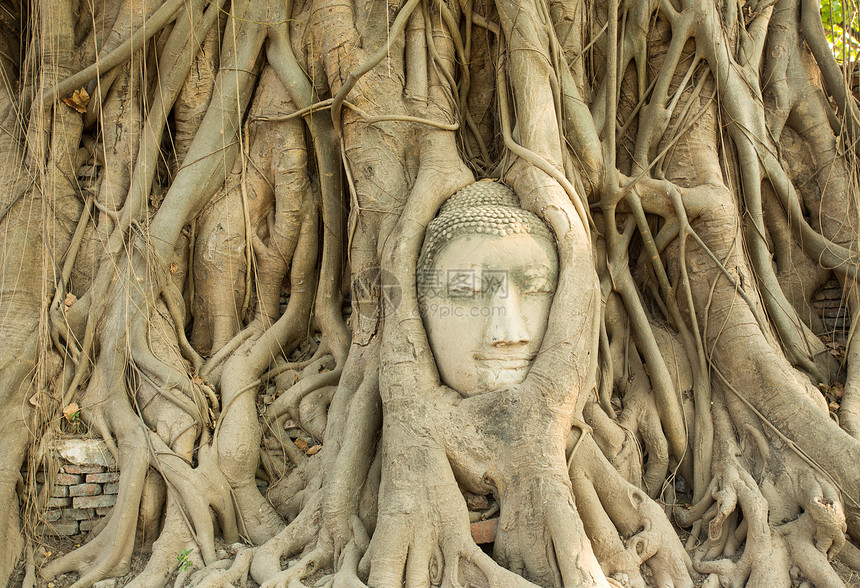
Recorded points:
506,324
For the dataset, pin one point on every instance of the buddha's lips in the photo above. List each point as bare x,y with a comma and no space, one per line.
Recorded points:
507,362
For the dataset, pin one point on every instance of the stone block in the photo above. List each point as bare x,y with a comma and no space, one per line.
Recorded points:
50,516
68,479
59,502
111,488
484,531
94,501
59,528
85,490
88,452
71,468
103,477
79,514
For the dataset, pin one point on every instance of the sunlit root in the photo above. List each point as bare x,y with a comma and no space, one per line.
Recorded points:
625,527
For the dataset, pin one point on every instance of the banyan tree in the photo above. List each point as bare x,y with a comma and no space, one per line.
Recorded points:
334,279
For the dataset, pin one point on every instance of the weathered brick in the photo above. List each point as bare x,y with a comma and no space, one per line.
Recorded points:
79,514
59,502
60,491
60,528
71,468
68,479
51,515
102,477
111,488
85,490
484,531
104,511
94,501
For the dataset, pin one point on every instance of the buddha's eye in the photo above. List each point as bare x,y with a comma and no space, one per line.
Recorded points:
462,290
538,285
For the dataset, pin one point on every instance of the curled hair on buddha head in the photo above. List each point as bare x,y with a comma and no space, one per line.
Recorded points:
481,208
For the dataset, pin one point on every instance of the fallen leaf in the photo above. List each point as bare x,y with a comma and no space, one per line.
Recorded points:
71,411
78,100
314,450
301,444
70,299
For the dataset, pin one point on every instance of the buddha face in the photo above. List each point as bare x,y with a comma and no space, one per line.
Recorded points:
487,312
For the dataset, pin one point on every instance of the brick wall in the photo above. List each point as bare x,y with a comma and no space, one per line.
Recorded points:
828,302
85,487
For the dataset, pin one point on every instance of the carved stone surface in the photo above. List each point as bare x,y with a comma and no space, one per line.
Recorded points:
487,274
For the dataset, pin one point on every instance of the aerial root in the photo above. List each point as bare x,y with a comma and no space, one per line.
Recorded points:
318,558
237,573
200,488
294,537
817,535
612,508
347,572
174,538
765,560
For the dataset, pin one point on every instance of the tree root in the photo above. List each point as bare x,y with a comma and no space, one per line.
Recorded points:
237,573
613,508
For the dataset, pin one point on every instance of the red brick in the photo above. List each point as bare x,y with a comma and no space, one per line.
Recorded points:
59,502
60,491
71,468
102,478
111,488
94,501
85,490
484,531
68,479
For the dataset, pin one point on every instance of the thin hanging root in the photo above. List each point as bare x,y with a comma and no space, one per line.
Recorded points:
159,19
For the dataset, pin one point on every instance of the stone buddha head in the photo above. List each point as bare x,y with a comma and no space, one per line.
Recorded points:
487,273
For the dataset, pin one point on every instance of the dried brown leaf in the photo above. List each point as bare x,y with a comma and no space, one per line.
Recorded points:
71,411
78,100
